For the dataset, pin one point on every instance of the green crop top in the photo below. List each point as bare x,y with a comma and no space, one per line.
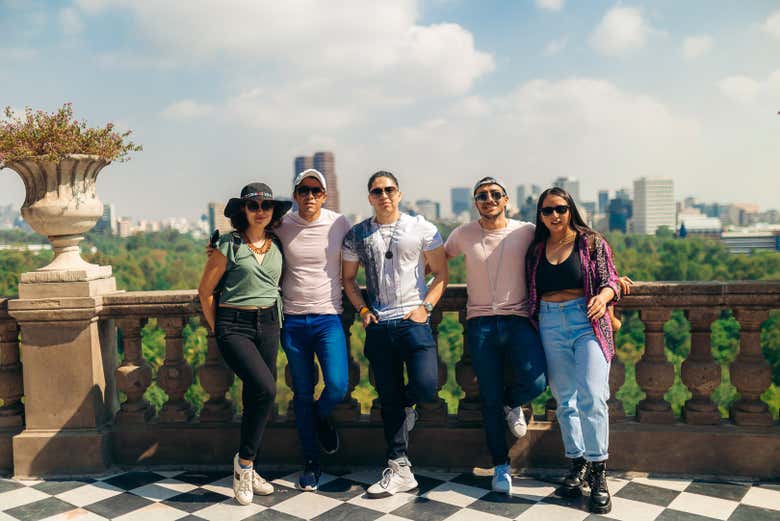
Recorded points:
245,282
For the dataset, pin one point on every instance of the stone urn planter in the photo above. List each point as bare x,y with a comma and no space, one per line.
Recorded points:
61,203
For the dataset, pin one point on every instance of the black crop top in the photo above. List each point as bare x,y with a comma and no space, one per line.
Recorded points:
566,275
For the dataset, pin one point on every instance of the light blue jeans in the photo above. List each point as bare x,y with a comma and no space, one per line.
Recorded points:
578,375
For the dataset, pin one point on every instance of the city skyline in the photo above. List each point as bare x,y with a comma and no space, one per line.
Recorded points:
439,93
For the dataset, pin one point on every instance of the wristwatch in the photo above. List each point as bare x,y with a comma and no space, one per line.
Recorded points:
428,307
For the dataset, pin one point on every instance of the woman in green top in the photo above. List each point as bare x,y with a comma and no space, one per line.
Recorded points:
245,268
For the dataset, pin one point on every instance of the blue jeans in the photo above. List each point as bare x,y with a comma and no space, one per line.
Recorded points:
579,378
391,345
493,341
303,336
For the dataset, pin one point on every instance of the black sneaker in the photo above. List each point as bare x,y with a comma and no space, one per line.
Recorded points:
328,435
309,480
600,501
574,481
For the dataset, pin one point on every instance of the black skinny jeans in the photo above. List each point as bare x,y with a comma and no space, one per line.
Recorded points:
249,342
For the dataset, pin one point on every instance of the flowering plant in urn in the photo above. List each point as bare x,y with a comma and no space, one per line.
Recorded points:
59,158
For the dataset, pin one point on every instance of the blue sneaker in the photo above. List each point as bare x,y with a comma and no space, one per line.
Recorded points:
502,479
309,480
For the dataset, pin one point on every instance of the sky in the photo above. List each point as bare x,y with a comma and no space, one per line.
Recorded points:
224,92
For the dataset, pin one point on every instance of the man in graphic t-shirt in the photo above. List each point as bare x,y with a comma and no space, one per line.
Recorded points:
393,248
497,328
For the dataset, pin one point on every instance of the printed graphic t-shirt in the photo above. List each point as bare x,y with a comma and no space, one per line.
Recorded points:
396,285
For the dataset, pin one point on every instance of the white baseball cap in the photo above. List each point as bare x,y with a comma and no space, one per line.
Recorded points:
310,172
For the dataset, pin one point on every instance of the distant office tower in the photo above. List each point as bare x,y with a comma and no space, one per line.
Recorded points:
589,209
124,226
603,201
303,163
623,194
326,164
654,205
461,200
217,219
520,192
535,191
428,209
107,222
571,185
620,211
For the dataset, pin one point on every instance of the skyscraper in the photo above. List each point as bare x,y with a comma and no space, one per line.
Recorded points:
107,222
326,164
571,185
461,200
654,205
520,195
217,219
428,209
603,201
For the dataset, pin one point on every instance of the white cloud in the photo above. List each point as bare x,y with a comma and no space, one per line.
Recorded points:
550,5
556,46
772,24
359,41
621,31
696,46
70,21
744,89
17,54
188,109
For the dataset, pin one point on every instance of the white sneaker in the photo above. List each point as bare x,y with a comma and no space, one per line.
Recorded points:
502,479
397,477
515,418
260,486
242,482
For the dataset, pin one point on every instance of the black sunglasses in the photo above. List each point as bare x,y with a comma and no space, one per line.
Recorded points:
303,191
548,210
389,191
253,205
483,197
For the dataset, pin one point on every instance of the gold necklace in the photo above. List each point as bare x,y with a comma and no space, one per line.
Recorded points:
262,250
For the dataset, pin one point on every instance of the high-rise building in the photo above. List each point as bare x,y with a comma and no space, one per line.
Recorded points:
520,192
217,219
571,185
536,190
107,222
428,209
654,205
326,164
461,200
620,211
603,201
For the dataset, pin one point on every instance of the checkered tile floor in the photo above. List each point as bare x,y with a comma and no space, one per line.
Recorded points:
172,495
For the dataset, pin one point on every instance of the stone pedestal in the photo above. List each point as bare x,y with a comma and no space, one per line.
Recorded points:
69,357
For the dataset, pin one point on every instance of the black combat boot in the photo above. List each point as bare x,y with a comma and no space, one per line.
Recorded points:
574,481
600,501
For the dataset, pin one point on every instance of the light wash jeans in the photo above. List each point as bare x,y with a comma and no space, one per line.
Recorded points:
578,375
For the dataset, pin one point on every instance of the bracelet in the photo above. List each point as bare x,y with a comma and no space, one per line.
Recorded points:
362,310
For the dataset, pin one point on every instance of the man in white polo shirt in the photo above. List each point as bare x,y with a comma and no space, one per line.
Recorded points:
497,326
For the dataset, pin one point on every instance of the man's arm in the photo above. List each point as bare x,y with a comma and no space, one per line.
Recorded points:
437,260
349,271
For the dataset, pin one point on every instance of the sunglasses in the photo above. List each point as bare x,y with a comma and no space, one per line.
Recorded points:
254,206
483,197
303,191
560,210
389,191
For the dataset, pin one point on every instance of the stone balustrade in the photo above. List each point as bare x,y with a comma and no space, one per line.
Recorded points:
654,439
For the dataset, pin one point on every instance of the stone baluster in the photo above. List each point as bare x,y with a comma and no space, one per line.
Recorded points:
11,386
751,374
654,373
617,376
470,406
175,375
216,378
435,412
134,376
349,409
700,372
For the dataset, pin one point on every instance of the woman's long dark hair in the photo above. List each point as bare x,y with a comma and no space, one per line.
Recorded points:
576,222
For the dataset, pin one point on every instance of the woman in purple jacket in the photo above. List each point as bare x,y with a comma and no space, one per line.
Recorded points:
572,280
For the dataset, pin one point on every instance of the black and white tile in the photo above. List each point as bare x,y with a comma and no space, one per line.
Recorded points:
152,495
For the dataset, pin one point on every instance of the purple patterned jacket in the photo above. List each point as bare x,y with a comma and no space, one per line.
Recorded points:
599,273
